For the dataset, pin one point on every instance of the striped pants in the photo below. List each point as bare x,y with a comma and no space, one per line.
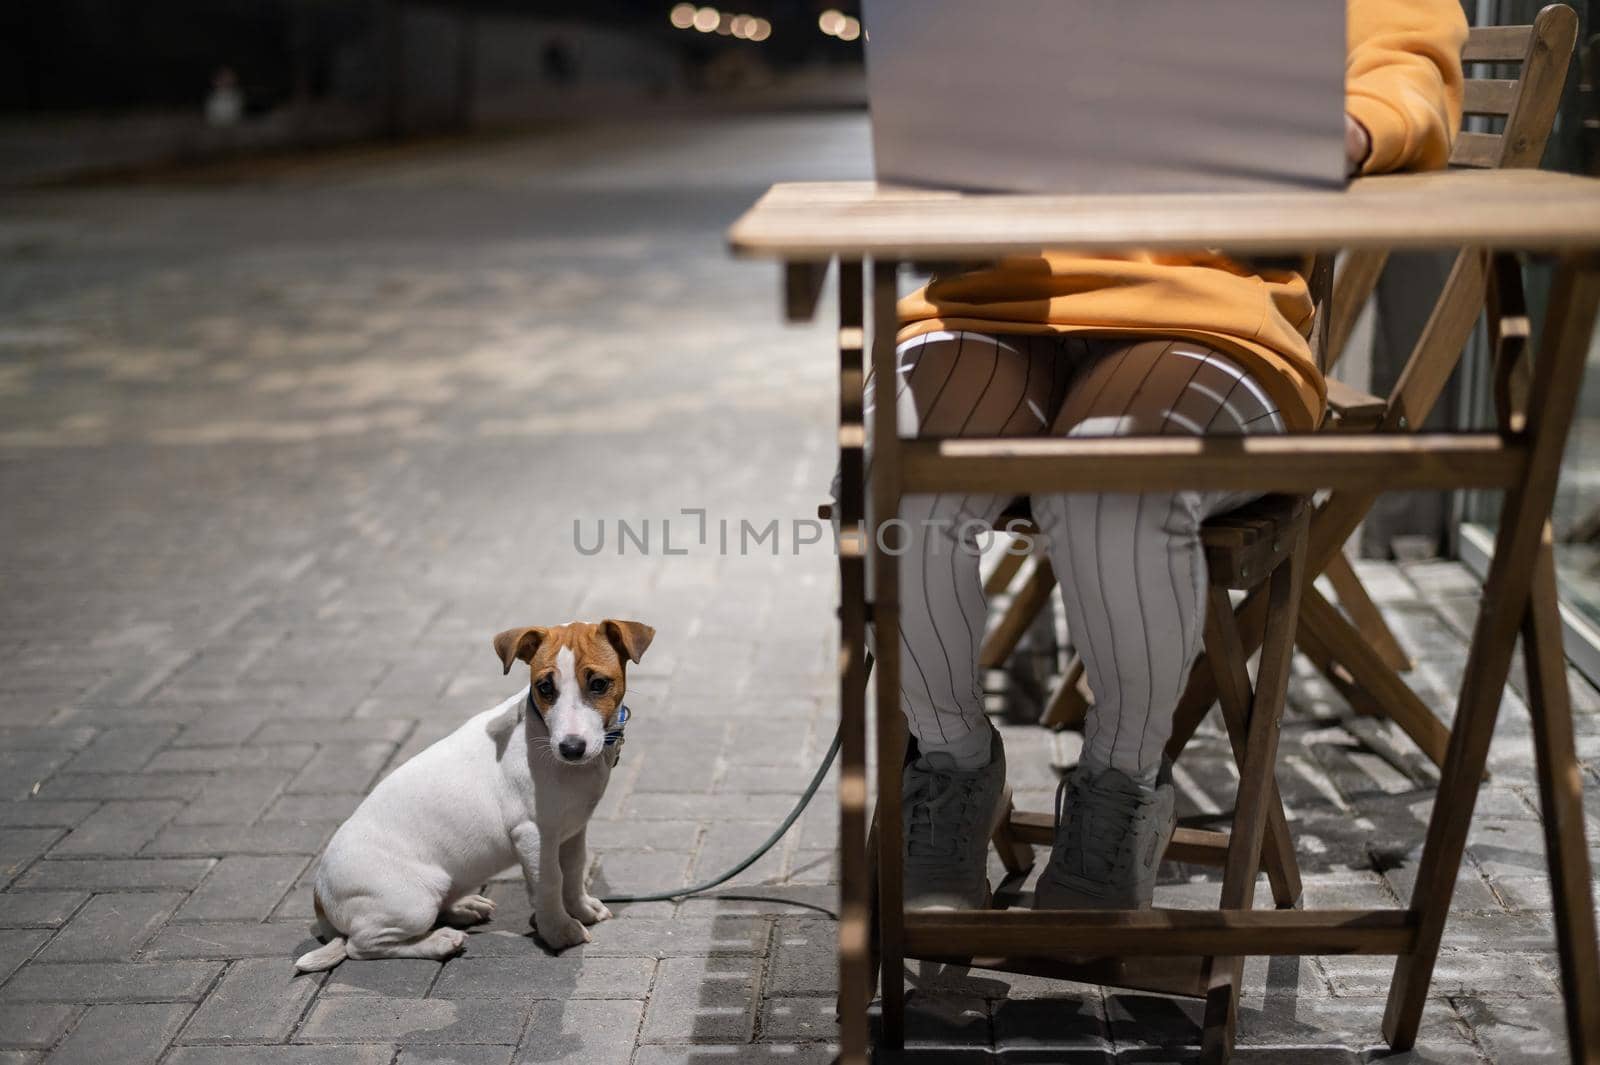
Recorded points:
1131,567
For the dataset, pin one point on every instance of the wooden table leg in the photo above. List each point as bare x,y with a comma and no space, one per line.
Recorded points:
1561,806
1558,372
883,542
855,981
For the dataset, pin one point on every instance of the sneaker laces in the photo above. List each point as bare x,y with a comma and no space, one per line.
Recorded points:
1100,831
939,809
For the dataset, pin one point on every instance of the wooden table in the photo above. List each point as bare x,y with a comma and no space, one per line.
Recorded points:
809,226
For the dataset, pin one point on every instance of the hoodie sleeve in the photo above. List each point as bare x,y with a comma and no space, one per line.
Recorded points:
1403,79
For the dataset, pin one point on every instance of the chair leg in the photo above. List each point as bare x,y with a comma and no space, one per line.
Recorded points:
1015,855
1225,651
1025,606
1364,613
1069,703
1561,805
1005,571
1201,691
1255,794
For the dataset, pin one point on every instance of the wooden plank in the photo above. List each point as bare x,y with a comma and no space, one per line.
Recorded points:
1489,96
1476,150
1031,598
1558,372
1069,703
855,904
1517,208
1487,44
802,288
887,486
1561,807
1352,410
1196,846
1162,976
1005,570
1158,932
1294,463
1544,75
1353,286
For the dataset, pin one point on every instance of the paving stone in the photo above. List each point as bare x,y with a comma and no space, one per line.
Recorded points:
221,759
126,1033
805,957
325,807
117,828
343,1054
242,888
342,767
19,847
363,1018
125,749
111,787
111,874
791,1019
1456,973
39,909
1517,1031
581,1031
43,813
34,1025
536,975
221,840
17,946
458,1055
232,939
397,978
112,926
236,798
258,1001
168,981
740,1053
702,1000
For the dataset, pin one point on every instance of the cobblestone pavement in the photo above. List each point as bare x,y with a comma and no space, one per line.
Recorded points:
281,449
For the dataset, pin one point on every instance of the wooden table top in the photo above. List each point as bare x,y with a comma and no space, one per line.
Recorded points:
1532,210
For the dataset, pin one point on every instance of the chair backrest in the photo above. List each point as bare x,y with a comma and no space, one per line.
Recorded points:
1528,102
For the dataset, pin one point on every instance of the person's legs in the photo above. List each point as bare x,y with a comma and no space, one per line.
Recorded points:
957,384
1133,580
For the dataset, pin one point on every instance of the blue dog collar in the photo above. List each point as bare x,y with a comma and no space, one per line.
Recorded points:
614,736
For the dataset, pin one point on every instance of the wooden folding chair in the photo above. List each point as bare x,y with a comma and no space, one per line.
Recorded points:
1356,650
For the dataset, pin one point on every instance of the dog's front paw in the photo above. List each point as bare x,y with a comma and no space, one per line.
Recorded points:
560,930
589,909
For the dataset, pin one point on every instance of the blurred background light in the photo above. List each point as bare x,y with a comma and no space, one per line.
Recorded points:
851,30
683,16
831,22
707,19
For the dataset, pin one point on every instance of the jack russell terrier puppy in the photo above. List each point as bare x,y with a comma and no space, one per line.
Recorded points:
514,785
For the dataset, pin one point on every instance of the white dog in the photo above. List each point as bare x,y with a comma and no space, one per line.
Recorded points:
514,785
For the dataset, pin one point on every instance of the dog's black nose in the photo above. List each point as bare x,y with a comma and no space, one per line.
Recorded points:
572,748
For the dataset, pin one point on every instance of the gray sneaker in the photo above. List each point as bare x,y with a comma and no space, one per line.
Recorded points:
1109,845
948,818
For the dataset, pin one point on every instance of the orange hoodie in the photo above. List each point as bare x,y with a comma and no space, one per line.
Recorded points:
1402,82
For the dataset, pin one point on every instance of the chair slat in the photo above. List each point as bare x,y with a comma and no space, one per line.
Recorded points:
1478,150
1496,44
1489,96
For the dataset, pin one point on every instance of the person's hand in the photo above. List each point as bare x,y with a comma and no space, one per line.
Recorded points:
1357,144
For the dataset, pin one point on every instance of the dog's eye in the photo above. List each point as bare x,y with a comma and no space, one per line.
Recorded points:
599,685
545,688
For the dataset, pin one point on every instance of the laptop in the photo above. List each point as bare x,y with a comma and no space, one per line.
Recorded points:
1107,96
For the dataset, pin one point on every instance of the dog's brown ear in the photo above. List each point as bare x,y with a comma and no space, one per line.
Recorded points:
517,644
630,638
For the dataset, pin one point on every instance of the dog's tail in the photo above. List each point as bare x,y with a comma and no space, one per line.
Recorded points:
330,953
